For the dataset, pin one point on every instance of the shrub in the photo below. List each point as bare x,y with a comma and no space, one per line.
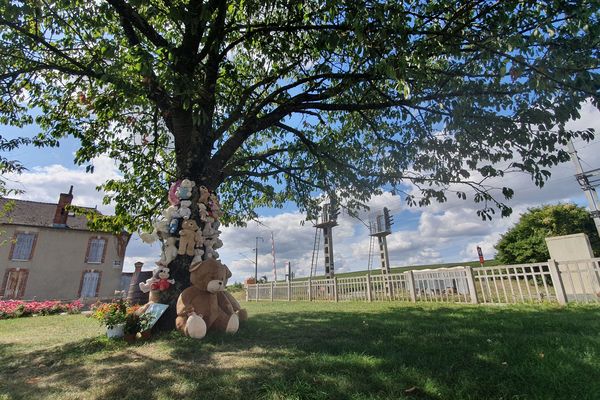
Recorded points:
19,308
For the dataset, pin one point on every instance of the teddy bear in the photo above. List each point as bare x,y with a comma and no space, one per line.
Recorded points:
209,250
188,237
203,212
184,209
198,253
198,305
160,231
184,191
169,251
215,207
209,230
204,195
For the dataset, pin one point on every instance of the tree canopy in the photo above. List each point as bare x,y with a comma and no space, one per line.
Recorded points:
525,242
273,101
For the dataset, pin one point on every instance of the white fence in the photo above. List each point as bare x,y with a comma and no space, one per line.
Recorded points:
560,282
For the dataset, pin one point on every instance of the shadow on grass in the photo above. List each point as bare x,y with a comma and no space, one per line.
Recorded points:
403,352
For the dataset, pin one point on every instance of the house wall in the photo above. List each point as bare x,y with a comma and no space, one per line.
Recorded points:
58,262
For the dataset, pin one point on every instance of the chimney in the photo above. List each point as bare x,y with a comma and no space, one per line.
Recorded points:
61,214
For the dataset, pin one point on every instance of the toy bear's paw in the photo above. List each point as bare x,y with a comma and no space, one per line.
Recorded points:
195,326
233,324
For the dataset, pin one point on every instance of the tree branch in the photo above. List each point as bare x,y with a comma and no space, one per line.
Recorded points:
135,19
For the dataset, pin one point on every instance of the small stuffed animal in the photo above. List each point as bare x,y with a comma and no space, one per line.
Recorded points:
184,191
163,282
188,237
208,229
169,252
209,251
215,207
198,253
198,305
184,209
145,287
173,198
203,212
204,194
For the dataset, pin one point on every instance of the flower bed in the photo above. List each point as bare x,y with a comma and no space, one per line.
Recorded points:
19,308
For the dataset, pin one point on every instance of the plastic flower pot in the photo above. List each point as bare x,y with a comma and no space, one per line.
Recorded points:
116,331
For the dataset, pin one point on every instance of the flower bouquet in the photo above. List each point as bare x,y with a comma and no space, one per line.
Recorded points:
112,315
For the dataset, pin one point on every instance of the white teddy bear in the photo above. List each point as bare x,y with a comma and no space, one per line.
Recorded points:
169,251
184,209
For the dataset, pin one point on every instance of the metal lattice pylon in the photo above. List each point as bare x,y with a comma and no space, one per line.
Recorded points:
315,255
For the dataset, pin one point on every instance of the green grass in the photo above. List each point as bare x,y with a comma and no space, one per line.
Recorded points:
318,351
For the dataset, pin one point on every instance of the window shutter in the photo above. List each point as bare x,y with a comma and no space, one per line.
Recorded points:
23,247
89,287
96,250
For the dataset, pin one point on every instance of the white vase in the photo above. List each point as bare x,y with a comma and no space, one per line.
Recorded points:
116,331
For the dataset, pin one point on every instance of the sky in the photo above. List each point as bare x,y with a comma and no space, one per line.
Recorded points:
440,233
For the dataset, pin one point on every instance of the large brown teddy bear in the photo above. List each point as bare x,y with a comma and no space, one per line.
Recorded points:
198,306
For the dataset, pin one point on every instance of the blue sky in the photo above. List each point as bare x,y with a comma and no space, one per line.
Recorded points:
447,232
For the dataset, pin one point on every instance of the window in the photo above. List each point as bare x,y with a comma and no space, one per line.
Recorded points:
22,248
96,249
15,280
90,283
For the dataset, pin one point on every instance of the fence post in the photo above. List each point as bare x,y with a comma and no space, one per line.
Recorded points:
247,292
257,291
471,284
289,287
335,288
369,294
559,287
272,286
410,280
310,290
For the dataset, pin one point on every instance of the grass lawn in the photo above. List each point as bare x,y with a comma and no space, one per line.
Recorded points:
318,351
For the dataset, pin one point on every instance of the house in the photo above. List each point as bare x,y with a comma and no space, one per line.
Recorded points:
47,252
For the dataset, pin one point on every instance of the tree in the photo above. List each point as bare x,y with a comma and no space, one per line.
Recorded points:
525,242
278,101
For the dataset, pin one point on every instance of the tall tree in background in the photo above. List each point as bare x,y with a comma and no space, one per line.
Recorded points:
273,101
525,242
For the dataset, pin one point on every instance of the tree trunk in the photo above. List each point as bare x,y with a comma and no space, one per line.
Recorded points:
206,218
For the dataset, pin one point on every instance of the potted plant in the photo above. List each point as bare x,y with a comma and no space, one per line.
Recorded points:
113,316
144,327
132,327
135,323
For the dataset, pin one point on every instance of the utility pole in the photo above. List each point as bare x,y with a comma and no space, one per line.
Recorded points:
256,259
587,185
